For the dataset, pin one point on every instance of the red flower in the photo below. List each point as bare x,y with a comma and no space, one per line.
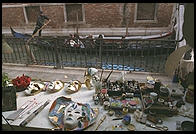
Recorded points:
21,82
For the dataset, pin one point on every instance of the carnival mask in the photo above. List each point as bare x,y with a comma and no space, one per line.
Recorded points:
74,86
34,88
72,116
69,115
54,86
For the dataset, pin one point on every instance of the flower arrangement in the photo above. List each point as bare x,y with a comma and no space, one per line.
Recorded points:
22,82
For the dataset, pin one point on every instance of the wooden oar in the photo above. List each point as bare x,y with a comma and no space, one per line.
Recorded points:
30,53
39,30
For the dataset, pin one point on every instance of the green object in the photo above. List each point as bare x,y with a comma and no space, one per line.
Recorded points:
9,99
8,94
5,80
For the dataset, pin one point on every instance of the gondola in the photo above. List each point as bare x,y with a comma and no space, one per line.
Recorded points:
108,47
19,35
35,41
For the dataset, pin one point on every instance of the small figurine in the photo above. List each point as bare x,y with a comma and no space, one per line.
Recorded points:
96,99
92,80
126,119
106,105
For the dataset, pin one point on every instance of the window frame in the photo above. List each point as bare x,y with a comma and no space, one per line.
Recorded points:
146,21
72,22
25,13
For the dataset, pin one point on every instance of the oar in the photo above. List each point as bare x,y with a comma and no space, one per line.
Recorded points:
39,30
30,53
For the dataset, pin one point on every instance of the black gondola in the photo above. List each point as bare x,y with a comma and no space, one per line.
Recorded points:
19,35
35,41
107,47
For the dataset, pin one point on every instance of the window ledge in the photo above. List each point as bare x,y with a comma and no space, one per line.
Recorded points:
145,21
75,23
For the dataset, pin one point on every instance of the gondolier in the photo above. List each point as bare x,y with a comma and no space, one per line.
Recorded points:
40,22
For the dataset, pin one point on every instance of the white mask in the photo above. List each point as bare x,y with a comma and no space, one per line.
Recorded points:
73,86
72,115
33,88
55,86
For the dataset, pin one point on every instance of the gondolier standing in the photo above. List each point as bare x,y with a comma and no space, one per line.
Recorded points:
40,22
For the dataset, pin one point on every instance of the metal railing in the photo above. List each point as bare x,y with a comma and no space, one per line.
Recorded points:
147,55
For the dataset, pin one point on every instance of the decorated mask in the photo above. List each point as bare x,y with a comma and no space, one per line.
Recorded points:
73,86
34,88
54,86
70,115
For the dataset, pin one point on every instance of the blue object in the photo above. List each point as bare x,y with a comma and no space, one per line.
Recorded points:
131,69
126,119
175,79
121,67
109,66
115,67
126,68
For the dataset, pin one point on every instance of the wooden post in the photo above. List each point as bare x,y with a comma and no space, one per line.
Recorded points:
77,23
30,53
127,26
100,49
58,65
125,13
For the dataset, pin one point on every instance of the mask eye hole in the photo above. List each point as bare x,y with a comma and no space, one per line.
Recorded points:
69,111
80,118
83,114
36,85
77,112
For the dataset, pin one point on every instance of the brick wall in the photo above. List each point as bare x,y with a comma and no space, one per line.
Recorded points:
56,14
164,13
13,17
103,15
97,15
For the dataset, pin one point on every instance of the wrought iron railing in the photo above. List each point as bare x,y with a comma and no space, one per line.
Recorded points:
129,54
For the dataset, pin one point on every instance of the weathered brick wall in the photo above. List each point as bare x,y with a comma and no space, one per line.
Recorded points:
13,17
56,14
97,15
164,13
110,15
103,15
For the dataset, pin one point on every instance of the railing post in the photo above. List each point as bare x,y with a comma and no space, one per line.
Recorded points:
29,53
100,50
58,65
